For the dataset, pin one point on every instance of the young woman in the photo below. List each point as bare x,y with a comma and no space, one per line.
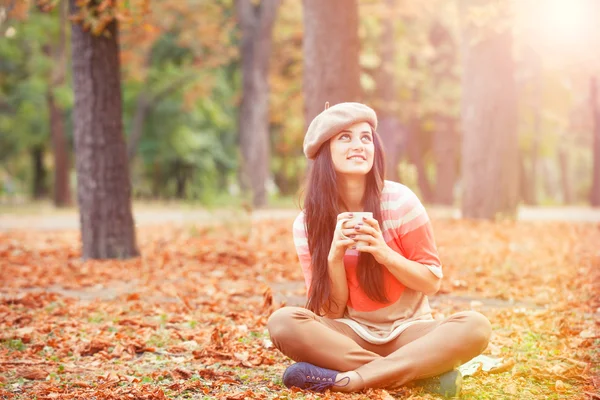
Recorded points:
367,322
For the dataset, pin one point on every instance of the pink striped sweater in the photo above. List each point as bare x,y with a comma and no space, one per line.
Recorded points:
406,229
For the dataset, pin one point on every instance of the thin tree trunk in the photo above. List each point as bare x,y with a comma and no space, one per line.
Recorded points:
415,155
445,137
39,188
60,149
445,147
490,180
142,109
257,25
331,50
62,191
525,181
389,129
565,179
144,104
60,146
103,185
595,192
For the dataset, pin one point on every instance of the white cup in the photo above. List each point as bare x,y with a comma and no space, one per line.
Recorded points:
357,218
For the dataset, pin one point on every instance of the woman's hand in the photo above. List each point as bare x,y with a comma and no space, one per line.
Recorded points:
373,242
340,244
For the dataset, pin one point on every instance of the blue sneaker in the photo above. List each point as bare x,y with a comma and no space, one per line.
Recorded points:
310,377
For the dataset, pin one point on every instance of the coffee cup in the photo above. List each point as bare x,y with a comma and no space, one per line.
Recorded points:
357,218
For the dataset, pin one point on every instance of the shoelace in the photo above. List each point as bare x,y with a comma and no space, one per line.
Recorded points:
322,385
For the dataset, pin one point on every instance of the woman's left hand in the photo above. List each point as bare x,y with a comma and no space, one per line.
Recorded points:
370,234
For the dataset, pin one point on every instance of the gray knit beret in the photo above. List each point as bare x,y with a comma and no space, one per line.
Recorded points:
332,121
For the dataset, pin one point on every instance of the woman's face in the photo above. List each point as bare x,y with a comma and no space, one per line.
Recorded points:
352,150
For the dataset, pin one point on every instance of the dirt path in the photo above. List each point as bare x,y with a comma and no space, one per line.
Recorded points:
49,219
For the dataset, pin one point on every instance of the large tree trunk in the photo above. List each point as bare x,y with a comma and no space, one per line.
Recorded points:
39,187
595,193
385,104
103,185
490,178
331,49
257,24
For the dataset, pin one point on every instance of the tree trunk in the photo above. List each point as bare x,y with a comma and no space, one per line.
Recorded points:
565,179
445,147
60,148
39,188
595,193
331,49
489,116
103,185
525,180
445,137
256,24
62,191
142,109
415,155
385,104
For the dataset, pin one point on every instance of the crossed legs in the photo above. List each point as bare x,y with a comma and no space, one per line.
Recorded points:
423,350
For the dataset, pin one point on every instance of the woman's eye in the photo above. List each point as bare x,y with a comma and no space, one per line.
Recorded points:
366,138
344,136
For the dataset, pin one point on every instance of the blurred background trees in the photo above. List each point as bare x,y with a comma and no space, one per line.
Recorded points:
483,105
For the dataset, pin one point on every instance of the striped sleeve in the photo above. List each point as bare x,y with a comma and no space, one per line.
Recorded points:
301,244
411,224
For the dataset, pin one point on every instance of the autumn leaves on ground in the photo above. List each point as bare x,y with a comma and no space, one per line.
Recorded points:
187,319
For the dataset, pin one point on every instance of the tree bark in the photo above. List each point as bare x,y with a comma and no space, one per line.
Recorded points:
595,192
103,185
331,50
39,188
490,181
385,104
256,23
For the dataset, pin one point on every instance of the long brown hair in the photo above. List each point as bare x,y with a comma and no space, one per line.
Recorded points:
321,208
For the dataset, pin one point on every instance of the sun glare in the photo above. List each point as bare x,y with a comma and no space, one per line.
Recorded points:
561,29
564,21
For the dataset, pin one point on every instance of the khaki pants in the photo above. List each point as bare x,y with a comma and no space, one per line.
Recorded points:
423,350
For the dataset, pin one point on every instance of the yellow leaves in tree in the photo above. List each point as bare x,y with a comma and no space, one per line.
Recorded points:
96,16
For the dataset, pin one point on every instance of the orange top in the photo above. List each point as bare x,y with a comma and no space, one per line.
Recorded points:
407,230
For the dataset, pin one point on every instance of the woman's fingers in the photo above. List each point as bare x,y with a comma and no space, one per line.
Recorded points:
372,222
359,229
349,232
345,243
344,215
363,238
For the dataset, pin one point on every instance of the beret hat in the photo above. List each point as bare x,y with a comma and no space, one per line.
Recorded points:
332,121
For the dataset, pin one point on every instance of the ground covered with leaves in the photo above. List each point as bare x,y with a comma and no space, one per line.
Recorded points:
187,319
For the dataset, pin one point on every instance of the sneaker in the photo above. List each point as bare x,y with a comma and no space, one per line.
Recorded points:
310,377
448,384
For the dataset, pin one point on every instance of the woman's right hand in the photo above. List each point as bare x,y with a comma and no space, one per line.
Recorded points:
340,244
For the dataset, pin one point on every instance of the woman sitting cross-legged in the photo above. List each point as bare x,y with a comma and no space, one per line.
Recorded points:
367,322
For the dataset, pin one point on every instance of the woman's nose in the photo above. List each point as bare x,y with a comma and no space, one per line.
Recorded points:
357,144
